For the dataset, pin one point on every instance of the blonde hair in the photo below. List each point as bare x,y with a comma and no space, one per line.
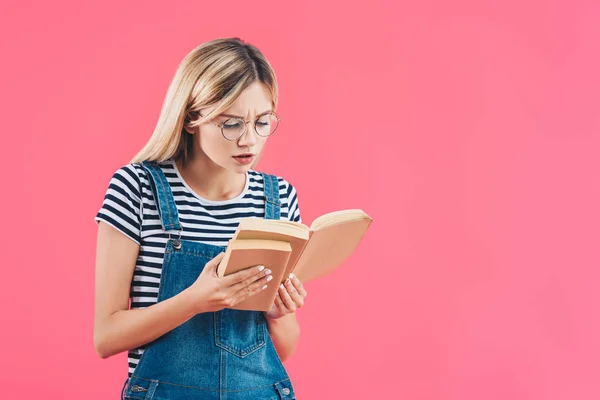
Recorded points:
214,73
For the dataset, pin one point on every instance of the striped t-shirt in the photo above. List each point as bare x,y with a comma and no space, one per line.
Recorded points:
129,206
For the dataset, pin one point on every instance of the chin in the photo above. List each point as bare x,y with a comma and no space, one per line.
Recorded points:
235,167
242,168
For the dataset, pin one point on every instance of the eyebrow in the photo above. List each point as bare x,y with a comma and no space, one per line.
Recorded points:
237,116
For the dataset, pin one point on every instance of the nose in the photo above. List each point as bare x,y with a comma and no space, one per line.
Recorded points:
249,137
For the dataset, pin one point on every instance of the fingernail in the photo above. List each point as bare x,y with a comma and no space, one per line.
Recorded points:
281,286
267,272
260,268
269,278
291,276
288,282
264,287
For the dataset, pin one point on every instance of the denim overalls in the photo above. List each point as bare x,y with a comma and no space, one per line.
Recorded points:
223,355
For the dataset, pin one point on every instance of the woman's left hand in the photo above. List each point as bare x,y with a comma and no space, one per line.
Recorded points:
290,297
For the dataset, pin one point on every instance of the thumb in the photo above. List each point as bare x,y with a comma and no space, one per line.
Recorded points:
212,265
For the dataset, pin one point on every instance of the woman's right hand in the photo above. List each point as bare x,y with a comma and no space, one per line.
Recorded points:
213,293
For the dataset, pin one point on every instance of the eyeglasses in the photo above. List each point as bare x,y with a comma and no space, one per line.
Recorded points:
234,128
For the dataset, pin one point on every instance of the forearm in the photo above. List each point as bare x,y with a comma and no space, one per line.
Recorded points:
285,332
128,329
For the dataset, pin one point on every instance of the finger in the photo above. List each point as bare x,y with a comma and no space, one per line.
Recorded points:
287,300
296,297
280,302
216,259
214,263
242,292
298,285
248,274
264,276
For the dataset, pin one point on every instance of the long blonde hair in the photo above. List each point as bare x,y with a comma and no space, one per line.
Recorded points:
214,73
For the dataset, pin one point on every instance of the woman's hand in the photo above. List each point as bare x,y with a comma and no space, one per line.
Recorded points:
290,297
213,293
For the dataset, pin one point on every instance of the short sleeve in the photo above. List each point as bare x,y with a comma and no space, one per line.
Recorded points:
122,206
293,204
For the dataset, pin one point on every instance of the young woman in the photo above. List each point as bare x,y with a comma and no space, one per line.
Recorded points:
162,229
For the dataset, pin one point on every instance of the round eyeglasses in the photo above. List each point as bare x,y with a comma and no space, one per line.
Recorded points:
234,128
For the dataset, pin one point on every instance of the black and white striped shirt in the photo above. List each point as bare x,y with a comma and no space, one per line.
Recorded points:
129,206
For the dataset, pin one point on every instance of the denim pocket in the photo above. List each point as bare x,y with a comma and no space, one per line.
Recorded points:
240,332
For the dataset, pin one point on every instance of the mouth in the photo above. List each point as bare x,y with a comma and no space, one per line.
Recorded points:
245,158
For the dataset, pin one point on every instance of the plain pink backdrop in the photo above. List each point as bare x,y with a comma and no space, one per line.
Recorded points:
469,130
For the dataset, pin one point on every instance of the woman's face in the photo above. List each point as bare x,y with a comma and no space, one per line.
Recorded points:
210,143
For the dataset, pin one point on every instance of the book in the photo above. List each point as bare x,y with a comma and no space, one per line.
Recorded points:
242,254
316,250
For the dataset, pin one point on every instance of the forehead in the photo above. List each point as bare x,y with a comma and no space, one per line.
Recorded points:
254,100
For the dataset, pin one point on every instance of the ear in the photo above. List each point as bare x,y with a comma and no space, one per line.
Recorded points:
189,130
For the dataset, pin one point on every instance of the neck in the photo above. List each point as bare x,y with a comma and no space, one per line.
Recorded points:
209,180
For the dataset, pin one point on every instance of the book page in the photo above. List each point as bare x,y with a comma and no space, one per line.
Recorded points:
328,248
337,217
296,243
273,225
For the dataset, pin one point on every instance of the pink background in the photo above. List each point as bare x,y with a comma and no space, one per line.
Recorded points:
469,130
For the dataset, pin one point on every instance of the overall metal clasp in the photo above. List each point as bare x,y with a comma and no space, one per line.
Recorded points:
176,242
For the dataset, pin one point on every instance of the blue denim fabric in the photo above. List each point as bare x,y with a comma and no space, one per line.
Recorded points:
223,355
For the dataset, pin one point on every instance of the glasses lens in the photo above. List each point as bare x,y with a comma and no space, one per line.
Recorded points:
233,128
266,124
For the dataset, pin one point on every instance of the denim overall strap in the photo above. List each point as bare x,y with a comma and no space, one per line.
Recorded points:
163,196
272,202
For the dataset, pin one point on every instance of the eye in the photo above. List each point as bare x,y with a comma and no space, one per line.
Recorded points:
232,124
265,120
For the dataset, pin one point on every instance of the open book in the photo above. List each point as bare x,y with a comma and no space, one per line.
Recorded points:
315,251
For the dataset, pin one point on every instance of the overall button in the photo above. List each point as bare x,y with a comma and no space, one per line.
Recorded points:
137,388
286,391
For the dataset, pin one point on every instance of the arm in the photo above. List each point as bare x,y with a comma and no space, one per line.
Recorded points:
285,333
116,328
281,319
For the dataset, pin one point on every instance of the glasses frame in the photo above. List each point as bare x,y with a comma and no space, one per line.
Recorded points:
221,125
